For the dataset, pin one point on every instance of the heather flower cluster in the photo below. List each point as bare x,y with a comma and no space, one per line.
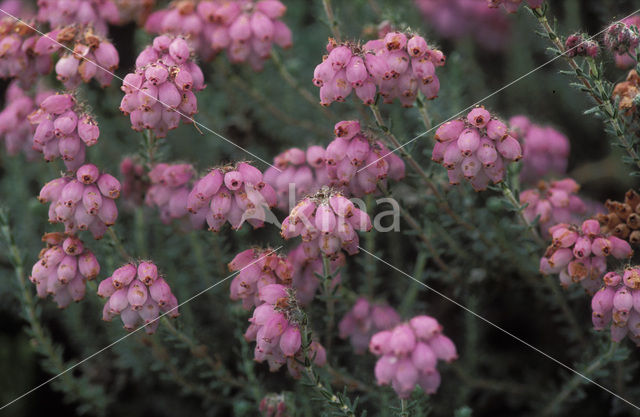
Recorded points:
511,6
169,190
234,194
139,295
17,56
476,148
161,90
274,405
464,18
246,29
545,150
63,130
93,56
622,39
622,218
96,13
275,329
552,203
85,202
63,268
579,254
579,44
409,354
257,269
396,66
326,220
618,304
363,320
15,128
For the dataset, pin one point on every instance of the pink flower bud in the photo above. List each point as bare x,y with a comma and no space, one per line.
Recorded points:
443,348
137,295
385,369
160,292
88,265
417,46
106,288
109,186
631,278
402,340
601,246
509,148
123,276
147,272
290,341
479,117
591,228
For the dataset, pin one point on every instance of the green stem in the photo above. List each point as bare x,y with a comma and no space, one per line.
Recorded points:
577,380
330,300
404,412
508,194
424,114
333,23
118,244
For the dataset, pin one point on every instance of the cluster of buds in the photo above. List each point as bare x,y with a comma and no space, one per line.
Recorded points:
134,183
307,266
552,203
274,405
63,130
258,268
15,128
17,57
623,218
457,19
275,329
161,90
93,56
476,148
85,202
169,190
234,194
618,304
363,320
327,220
247,29
296,173
622,39
579,45
95,13
356,162
511,6
409,355
627,93
139,295
394,66
579,254
545,150
63,268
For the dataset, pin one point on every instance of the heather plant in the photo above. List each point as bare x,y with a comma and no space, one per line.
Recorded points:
442,207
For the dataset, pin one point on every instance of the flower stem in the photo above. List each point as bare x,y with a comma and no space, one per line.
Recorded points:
333,23
508,194
577,380
330,300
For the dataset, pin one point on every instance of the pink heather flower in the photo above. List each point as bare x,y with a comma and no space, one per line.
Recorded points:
511,6
355,162
93,57
246,29
409,353
63,268
617,305
258,268
622,41
17,57
277,333
579,45
134,184
552,203
578,254
472,19
139,295
160,92
365,319
397,66
307,264
300,171
476,148
545,150
274,405
83,202
15,128
234,194
95,13
169,190
327,220
63,130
